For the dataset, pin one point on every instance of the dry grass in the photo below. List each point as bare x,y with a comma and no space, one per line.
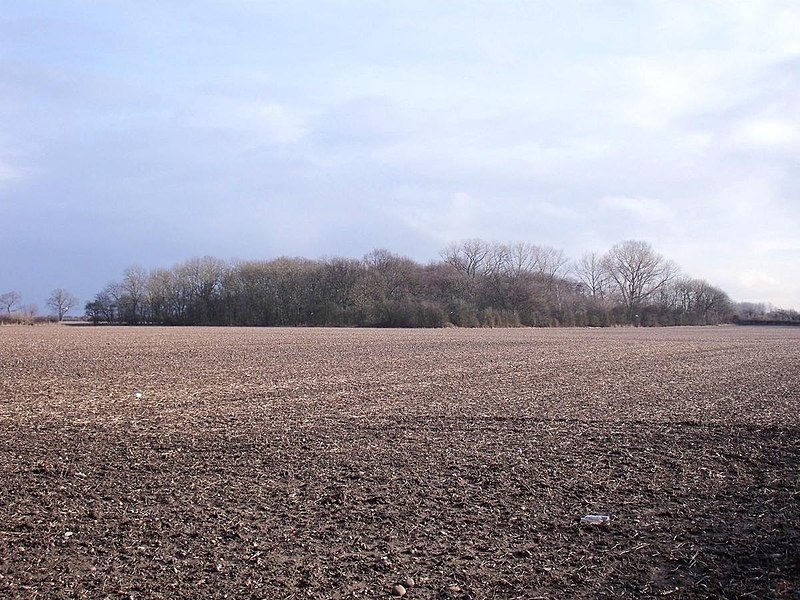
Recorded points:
285,463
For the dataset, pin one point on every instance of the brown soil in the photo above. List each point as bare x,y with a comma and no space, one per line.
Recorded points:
294,463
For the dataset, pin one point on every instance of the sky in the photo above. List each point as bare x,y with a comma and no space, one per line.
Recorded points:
149,132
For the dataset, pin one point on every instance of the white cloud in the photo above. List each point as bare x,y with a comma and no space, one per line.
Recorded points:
643,209
552,210
262,121
664,92
713,61
756,284
758,280
769,26
441,219
765,133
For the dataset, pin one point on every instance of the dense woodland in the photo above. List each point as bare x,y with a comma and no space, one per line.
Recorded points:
474,284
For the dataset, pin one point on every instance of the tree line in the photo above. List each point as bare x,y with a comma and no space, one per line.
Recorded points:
759,313
12,310
475,283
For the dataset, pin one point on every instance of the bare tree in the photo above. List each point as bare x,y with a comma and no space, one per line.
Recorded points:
550,262
521,259
340,277
476,283
590,272
61,301
638,272
390,275
294,283
160,294
112,298
9,300
515,289
134,294
476,260
710,300
204,276
470,257
94,310
751,310
703,302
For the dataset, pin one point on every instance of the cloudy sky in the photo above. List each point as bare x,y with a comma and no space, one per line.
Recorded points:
149,132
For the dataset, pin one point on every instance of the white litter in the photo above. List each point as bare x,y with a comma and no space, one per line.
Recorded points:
596,520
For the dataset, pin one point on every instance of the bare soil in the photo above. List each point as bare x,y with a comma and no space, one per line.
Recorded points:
325,463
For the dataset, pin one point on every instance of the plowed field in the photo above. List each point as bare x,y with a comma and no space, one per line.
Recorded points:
325,463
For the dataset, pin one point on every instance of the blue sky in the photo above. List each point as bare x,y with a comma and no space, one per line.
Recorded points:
150,132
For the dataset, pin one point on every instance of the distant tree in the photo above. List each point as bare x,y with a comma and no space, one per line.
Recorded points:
133,294
160,285
339,289
751,310
103,307
516,288
709,303
550,263
61,302
520,259
94,310
478,262
390,275
204,277
476,284
638,272
29,312
109,299
592,276
784,314
470,257
8,300
689,301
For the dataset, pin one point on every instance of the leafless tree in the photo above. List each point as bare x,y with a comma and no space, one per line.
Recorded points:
10,299
638,272
476,260
711,303
701,302
112,297
521,258
205,276
29,312
470,257
134,293
293,284
589,271
476,283
514,279
340,277
751,310
551,263
390,275
61,301
162,292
